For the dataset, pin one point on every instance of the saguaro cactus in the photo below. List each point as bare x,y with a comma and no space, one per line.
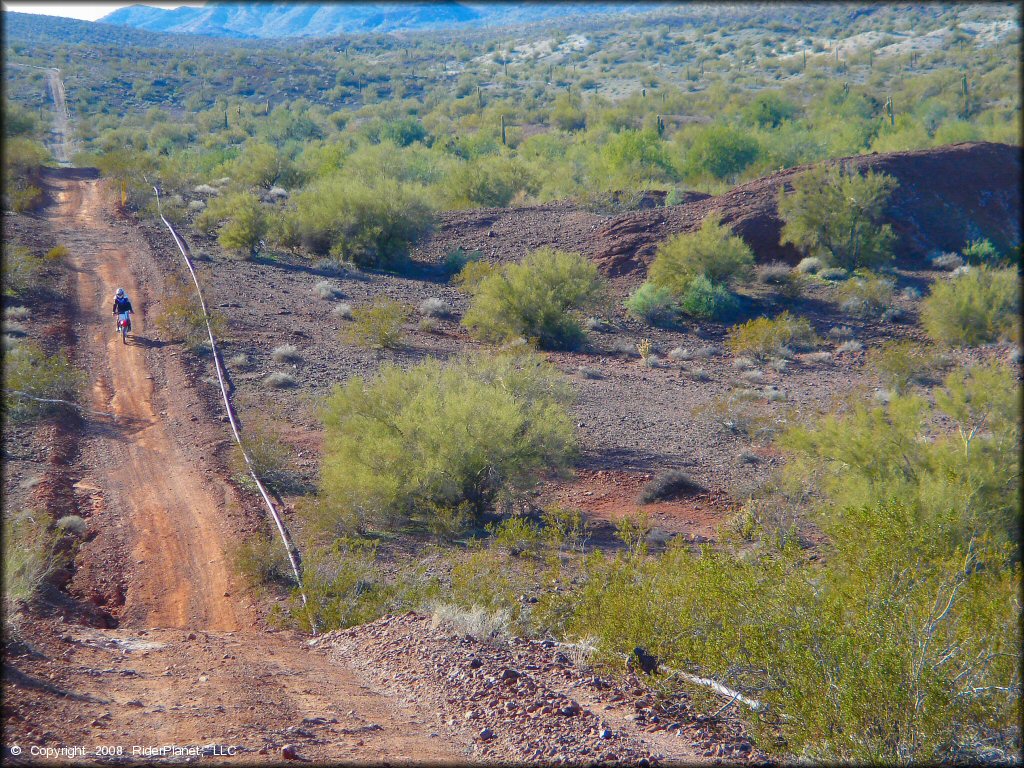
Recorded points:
890,111
503,129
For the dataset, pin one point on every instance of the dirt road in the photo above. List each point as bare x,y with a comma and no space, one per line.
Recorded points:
188,665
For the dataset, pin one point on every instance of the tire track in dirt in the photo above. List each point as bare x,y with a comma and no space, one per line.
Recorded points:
187,665
179,572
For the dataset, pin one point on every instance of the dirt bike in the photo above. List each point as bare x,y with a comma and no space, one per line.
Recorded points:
124,324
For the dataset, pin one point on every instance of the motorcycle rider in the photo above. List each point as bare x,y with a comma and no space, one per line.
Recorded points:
122,305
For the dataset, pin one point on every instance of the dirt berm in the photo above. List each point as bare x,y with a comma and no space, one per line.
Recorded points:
946,197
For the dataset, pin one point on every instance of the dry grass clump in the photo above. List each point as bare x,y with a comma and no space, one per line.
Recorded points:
752,376
669,485
818,358
849,346
280,380
286,353
433,307
775,273
590,373
343,310
17,313
325,289
809,266
947,261
73,524
241,360
477,622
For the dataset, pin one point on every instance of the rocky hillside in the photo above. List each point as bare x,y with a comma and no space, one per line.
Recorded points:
946,197
266,20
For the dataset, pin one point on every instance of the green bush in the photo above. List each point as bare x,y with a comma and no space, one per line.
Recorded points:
371,226
29,370
712,251
30,556
902,363
866,294
837,216
435,438
652,304
722,152
379,325
270,456
20,267
246,225
263,561
976,307
182,318
708,301
764,337
540,298
982,252
899,642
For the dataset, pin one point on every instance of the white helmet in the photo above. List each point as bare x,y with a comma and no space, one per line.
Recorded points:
120,292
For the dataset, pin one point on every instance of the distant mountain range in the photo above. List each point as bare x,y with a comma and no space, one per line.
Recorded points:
271,20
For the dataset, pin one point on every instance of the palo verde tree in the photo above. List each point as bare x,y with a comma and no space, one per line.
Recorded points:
836,214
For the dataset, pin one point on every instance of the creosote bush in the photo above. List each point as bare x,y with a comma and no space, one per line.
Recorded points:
669,485
652,304
713,251
975,307
539,299
27,368
182,316
866,294
433,440
378,325
763,337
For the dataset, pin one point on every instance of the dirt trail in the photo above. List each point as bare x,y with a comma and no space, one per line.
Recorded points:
187,666
61,141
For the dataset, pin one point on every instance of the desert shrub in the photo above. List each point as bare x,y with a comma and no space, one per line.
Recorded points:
669,485
947,261
30,556
712,251
325,289
708,301
280,380
182,316
489,182
378,325
343,587
286,353
857,661
343,310
849,346
262,561
652,304
246,224
866,294
588,372
902,363
833,274
764,337
809,265
722,152
837,216
774,273
241,360
269,456
982,252
371,226
457,259
473,273
432,438
72,524
976,307
477,622
539,298
427,325
517,536
22,158
20,267
57,253
433,307
28,369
